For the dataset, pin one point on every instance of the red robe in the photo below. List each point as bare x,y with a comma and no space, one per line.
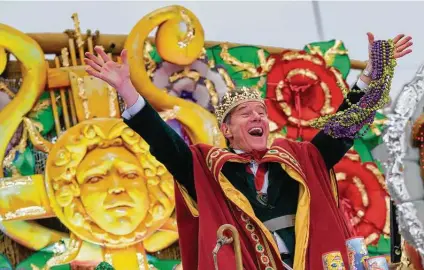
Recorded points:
320,225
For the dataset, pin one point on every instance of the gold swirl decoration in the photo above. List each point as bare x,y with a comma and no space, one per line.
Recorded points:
29,53
3,60
180,47
31,56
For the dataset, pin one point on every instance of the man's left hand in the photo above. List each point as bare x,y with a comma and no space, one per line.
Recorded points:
402,47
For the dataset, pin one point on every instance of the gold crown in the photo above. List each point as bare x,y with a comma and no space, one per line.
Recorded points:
233,98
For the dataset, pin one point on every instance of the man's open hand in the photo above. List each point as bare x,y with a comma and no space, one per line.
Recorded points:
106,69
115,74
402,45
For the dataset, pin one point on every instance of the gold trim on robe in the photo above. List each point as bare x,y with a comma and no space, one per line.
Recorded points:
334,186
190,203
214,160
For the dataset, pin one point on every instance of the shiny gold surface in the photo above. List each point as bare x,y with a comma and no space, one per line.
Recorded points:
198,122
30,54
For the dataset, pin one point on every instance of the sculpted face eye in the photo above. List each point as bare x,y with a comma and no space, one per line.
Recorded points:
131,175
93,179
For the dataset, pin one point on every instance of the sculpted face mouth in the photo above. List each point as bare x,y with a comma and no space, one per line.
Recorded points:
119,204
256,131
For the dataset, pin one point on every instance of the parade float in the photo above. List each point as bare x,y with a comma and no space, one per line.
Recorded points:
57,123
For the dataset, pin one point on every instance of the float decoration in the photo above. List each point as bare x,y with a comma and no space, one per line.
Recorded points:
180,49
104,266
245,65
301,88
83,144
363,193
381,248
412,257
217,70
38,260
3,59
334,53
363,146
404,179
21,158
5,263
43,113
372,136
197,82
163,264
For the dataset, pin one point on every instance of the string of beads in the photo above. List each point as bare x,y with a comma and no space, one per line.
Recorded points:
348,123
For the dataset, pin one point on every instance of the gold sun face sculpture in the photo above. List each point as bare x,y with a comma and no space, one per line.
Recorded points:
105,186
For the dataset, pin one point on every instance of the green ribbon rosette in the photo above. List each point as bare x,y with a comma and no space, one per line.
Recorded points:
42,116
246,65
5,263
39,260
371,139
334,52
153,261
382,248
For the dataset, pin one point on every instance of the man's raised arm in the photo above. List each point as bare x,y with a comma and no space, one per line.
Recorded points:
333,149
380,63
165,144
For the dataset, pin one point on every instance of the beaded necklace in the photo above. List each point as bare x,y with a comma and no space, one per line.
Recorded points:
348,123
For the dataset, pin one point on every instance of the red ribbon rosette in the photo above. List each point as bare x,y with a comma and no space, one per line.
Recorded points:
364,197
301,88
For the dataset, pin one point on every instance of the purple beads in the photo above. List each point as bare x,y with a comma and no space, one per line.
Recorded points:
348,123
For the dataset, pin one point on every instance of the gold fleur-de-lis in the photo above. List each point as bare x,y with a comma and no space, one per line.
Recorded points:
330,55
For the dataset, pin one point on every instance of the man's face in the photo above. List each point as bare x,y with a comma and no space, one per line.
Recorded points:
113,190
248,127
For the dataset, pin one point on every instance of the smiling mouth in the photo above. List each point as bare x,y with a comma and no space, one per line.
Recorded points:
256,132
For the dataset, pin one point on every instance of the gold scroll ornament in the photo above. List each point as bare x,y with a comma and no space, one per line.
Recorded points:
3,60
31,56
181,47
